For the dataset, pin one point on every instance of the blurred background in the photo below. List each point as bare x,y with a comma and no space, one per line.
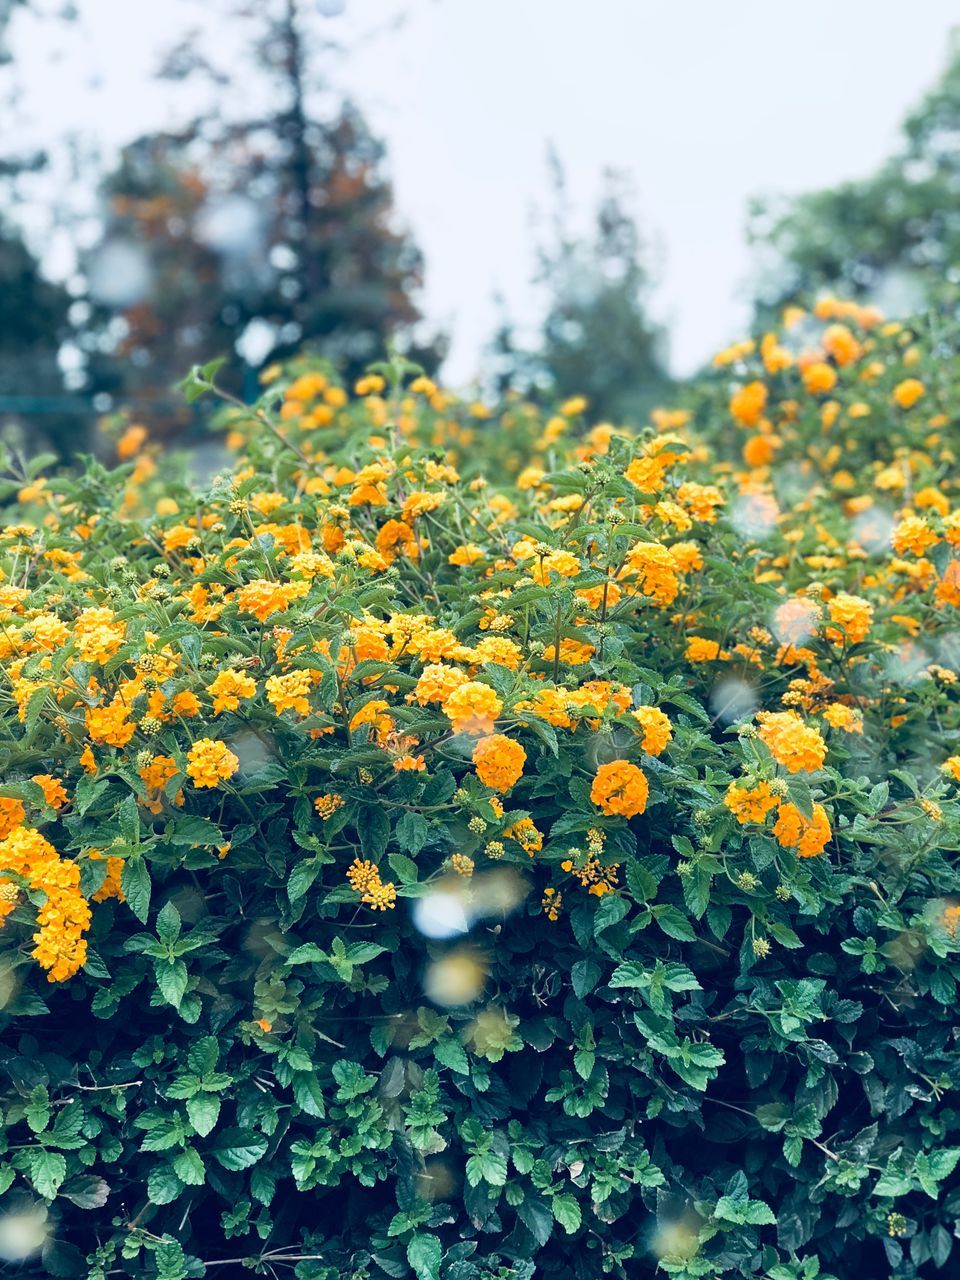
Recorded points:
531,194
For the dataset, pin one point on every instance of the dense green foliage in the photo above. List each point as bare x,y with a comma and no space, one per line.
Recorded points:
654,1036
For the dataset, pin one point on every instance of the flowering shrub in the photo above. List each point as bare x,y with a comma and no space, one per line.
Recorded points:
459,843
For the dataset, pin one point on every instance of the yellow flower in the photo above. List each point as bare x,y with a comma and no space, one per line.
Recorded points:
656,727
327,805
499,761
289,692
228,688
750,804
793,744
210,762
472,708
526,835
853,614
913,534
64,916
364,878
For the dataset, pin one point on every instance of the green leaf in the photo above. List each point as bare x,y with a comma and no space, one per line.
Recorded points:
128,819
412,833
451,1053
203,1055
759,1214
47,1171
38,1111
203,1111
584,976
674,923
537,1217
696,890
168,924
403,868
172,980
630,974
307,953
189,1168
302,877
373,829
566,1210
193,830
640,882
487,1166
86,1191
135,882
238,1148
163,1185
423,1254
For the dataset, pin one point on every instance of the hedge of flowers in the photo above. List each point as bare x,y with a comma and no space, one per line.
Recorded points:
465,843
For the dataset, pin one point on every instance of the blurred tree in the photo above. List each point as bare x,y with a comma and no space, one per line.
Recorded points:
597,338
33,318
33,310
893,236
253,234
201,255
265,223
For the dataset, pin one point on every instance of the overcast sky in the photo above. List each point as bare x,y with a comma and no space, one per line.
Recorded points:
702,104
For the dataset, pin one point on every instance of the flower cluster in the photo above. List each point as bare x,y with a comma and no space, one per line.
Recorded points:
448,782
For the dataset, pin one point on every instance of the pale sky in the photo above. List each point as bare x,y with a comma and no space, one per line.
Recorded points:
701,104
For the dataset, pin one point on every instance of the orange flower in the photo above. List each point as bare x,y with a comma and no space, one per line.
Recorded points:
620,787
747,404
472,708
54,792
908,392
750,804
806,836
819,378
656,727
263,598
499,761
228,688
913,534
12,813
840,343
110,724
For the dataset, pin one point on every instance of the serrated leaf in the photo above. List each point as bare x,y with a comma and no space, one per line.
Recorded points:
203,1111
48,1169
135,882
238,1148
423,1254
